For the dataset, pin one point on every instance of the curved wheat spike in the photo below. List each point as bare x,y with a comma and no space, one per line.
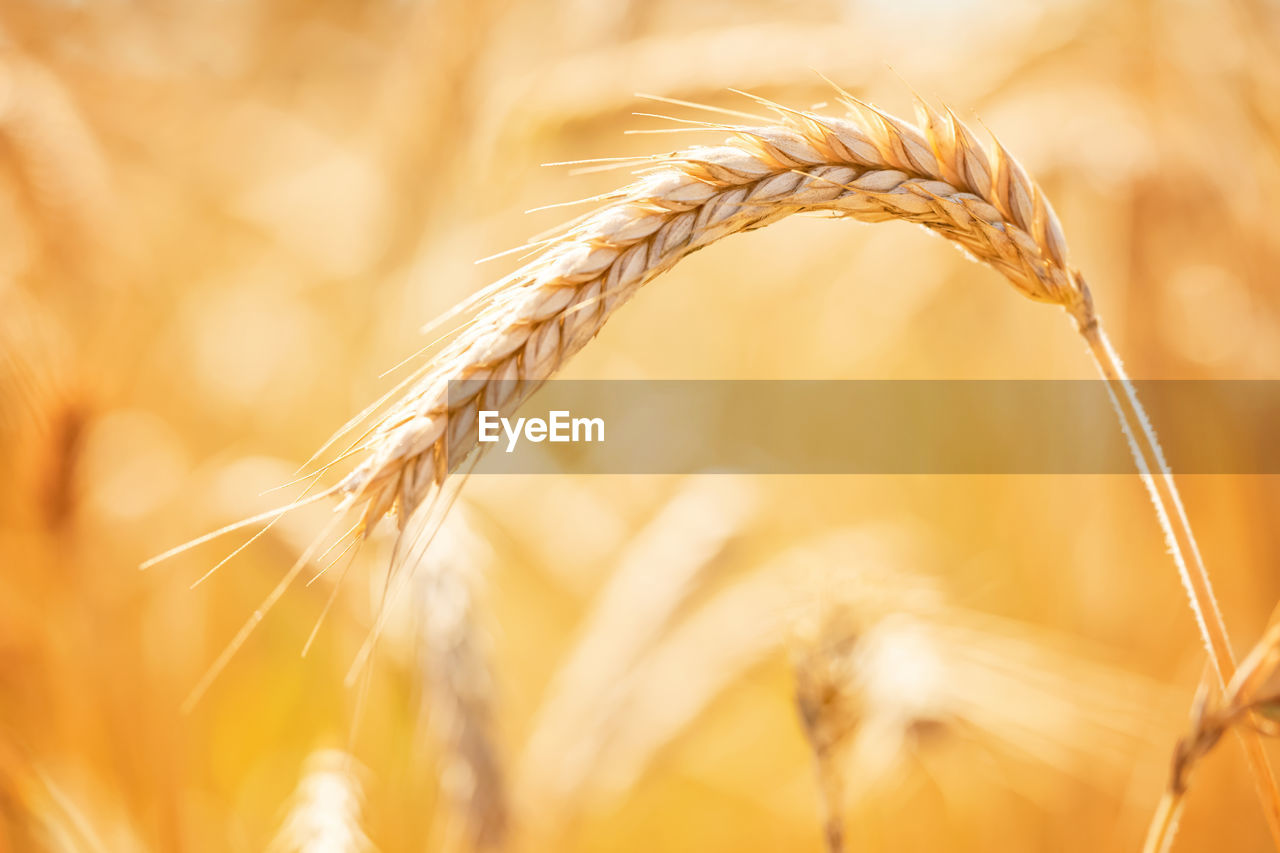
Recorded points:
874,168
871,167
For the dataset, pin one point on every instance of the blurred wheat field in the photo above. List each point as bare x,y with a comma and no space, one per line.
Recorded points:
220,223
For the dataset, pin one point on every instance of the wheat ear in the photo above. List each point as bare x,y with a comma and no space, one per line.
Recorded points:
1251,702
876,168
871,167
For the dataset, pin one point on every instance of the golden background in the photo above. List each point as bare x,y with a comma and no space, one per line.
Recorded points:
220,222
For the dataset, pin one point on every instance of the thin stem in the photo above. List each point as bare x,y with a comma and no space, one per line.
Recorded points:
832,791
1158,479
1164,823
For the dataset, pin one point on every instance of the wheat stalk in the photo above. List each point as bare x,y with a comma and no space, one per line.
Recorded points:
459,690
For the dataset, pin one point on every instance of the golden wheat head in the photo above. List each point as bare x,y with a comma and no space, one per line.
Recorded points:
870,166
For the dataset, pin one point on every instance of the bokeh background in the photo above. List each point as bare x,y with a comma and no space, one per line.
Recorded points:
221,222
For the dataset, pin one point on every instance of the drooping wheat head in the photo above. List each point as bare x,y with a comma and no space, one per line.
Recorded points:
871,168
